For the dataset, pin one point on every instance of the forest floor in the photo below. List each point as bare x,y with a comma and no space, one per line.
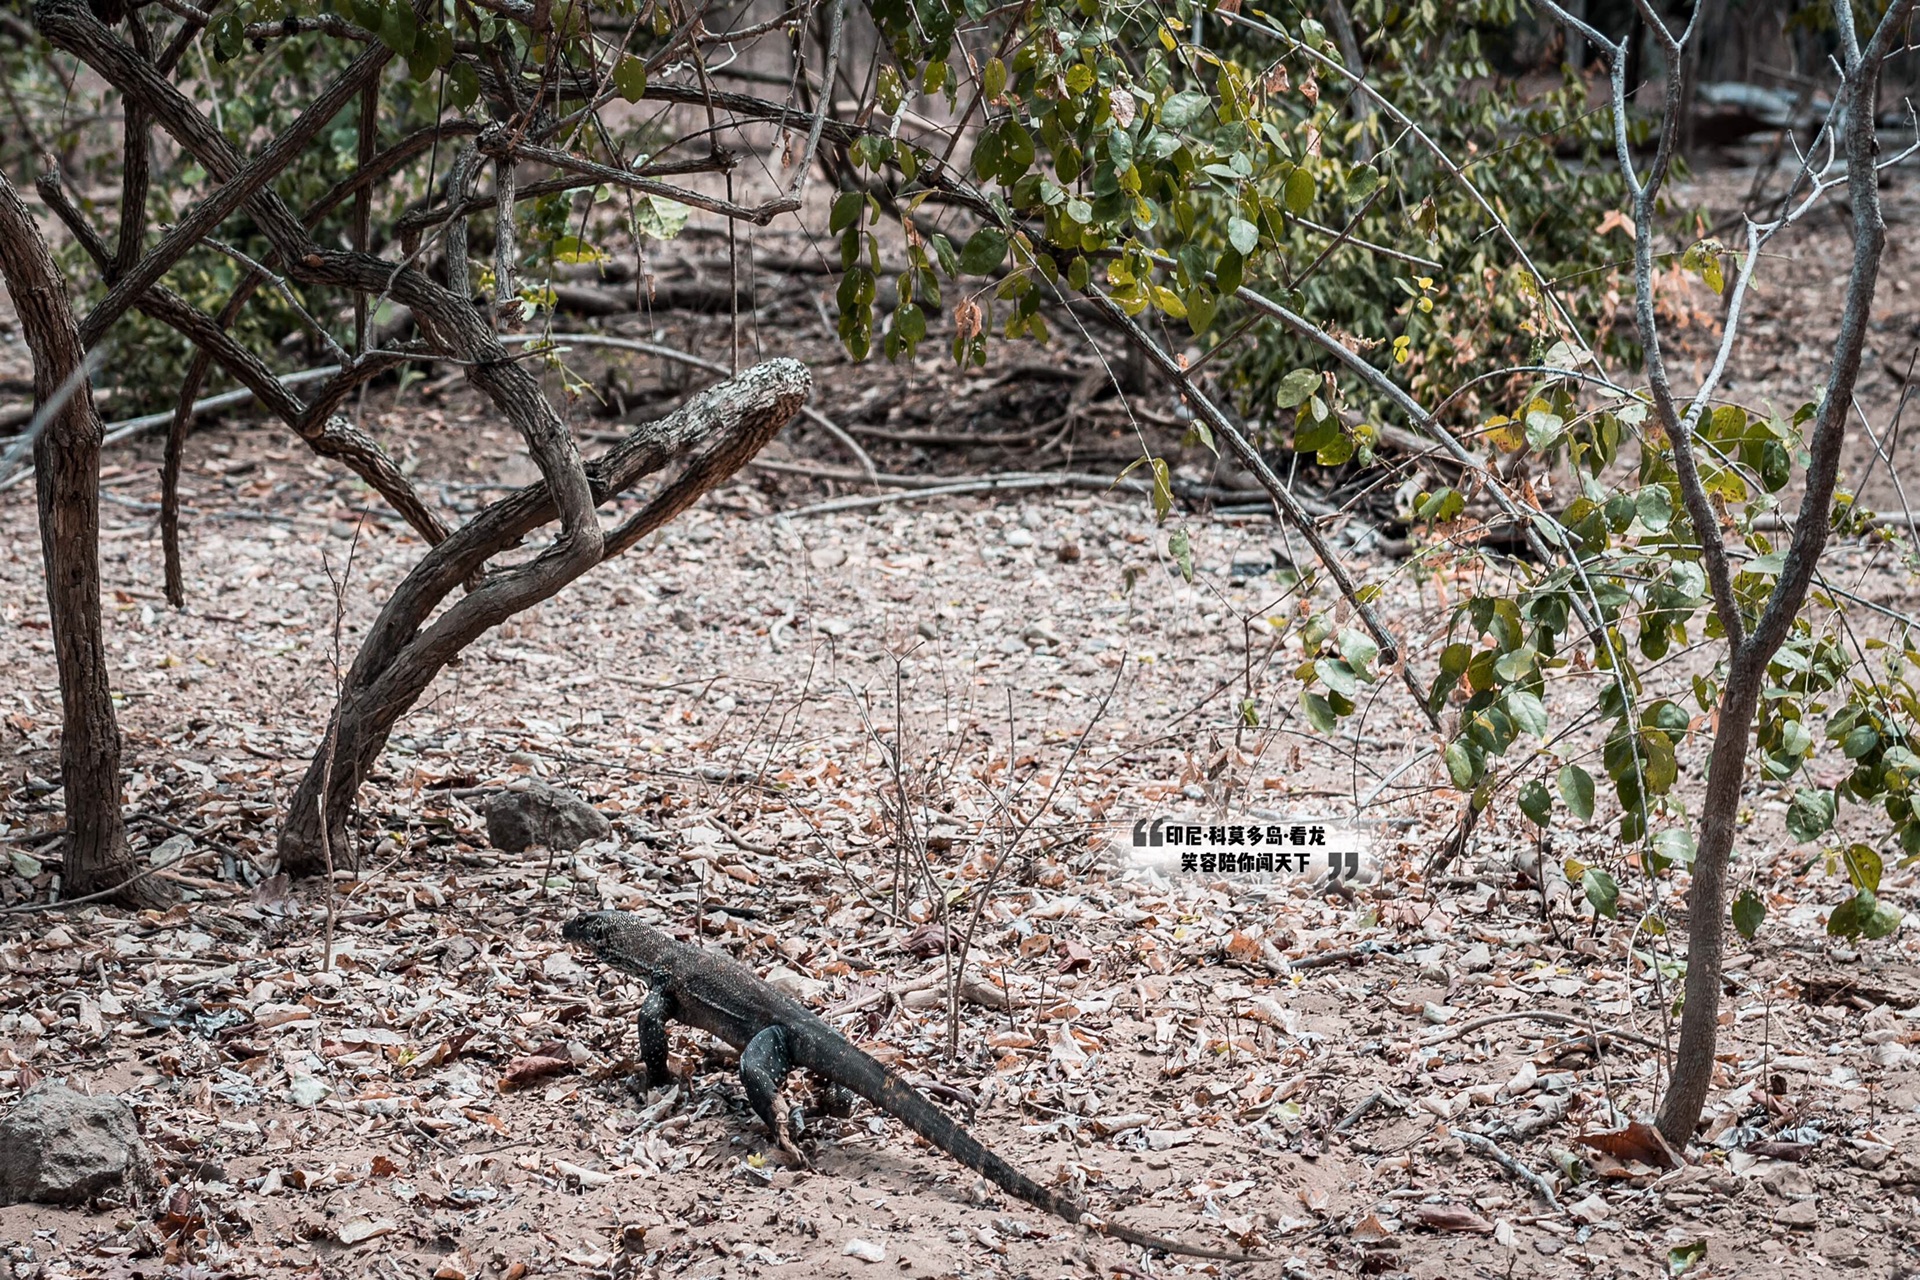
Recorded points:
445,1088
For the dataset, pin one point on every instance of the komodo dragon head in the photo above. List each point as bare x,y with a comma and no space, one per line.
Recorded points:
593,928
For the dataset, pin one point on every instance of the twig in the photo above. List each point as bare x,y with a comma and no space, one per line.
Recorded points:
339,585
1358,1113
1486,1147
131,427
741,841
1535,1015
31,908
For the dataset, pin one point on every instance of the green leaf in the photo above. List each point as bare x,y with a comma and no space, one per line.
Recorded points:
1860,741
1242,235
847,207
1603,895
1537,803
1319,711
1336,675
984,252
1180,547
1453,664
1654,509
1359,650
1300,191
1576,788
1202,305
228,35
1162,490
1748,913
1297,388
993,79
1361,183
630,79
1810,813
1863,916
1864,867
398,27
659,217
1674,845
1527,711
1184,109
1682,1257
1460,765
463,85
574,251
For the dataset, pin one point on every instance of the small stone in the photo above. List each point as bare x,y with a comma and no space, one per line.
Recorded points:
58,1146
1039,635
25,865
865,1250
1251,563
1789,1182
828,557
562,969
529,814
171,850
1872,1155
1067,553
1591,1209
798,985
309,1091
1017,537
1802,1215
359,1230
1476,958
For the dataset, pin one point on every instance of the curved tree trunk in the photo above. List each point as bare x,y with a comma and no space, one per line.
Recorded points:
722,427
67,477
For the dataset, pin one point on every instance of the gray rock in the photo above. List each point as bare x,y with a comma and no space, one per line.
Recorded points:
535,814
171,850
62,1147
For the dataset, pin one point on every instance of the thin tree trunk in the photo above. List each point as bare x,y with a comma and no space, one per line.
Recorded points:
1692,1080
67,477
1359,104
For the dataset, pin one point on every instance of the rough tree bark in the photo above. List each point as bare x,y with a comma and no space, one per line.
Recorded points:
67,477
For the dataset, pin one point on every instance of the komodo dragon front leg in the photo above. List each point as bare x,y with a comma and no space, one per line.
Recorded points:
654,1012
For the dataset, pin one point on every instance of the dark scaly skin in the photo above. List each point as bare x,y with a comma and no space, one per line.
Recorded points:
776,1033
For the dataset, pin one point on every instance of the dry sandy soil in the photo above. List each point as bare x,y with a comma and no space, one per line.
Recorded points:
1263,1062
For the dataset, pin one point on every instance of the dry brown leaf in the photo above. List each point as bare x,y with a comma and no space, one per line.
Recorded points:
1639,1141
525,1071
1449,1217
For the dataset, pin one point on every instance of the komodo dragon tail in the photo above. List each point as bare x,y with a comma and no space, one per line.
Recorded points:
867,1077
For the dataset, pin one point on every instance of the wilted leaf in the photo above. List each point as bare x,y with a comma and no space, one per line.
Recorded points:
525,1071
1638,1141
1449,1217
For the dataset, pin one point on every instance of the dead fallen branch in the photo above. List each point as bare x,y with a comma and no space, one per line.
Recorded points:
944,486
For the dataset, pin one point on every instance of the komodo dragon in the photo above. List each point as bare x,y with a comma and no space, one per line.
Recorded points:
775,1034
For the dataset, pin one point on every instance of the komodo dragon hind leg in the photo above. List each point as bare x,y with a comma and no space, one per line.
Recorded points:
764,1065
654,1012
